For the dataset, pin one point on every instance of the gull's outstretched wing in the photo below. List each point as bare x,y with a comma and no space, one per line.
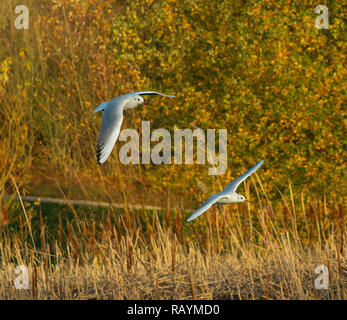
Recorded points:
111,122
101,106
232,186
153,93
205,206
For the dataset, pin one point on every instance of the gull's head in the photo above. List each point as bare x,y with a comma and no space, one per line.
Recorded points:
239,198
139,99
135,101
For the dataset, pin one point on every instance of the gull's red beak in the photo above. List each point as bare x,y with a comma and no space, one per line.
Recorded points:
144,102
247,200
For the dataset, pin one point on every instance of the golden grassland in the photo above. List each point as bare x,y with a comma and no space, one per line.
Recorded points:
255,251
258,68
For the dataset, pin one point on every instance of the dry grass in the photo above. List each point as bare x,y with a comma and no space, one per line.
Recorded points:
237,252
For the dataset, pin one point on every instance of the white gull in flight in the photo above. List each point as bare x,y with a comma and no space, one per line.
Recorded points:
112,119
228,195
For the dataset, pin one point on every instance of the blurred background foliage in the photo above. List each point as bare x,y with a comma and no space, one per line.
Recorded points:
260,69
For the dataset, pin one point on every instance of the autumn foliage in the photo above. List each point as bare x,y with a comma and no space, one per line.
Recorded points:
260,69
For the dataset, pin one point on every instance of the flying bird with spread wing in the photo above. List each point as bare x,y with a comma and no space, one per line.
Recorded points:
112,119
228,195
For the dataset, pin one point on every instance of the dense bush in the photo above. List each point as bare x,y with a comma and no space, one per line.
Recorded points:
257,68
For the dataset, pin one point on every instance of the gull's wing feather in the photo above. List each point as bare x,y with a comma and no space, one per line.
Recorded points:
205,206
111,122
153,93
232,186
101,106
